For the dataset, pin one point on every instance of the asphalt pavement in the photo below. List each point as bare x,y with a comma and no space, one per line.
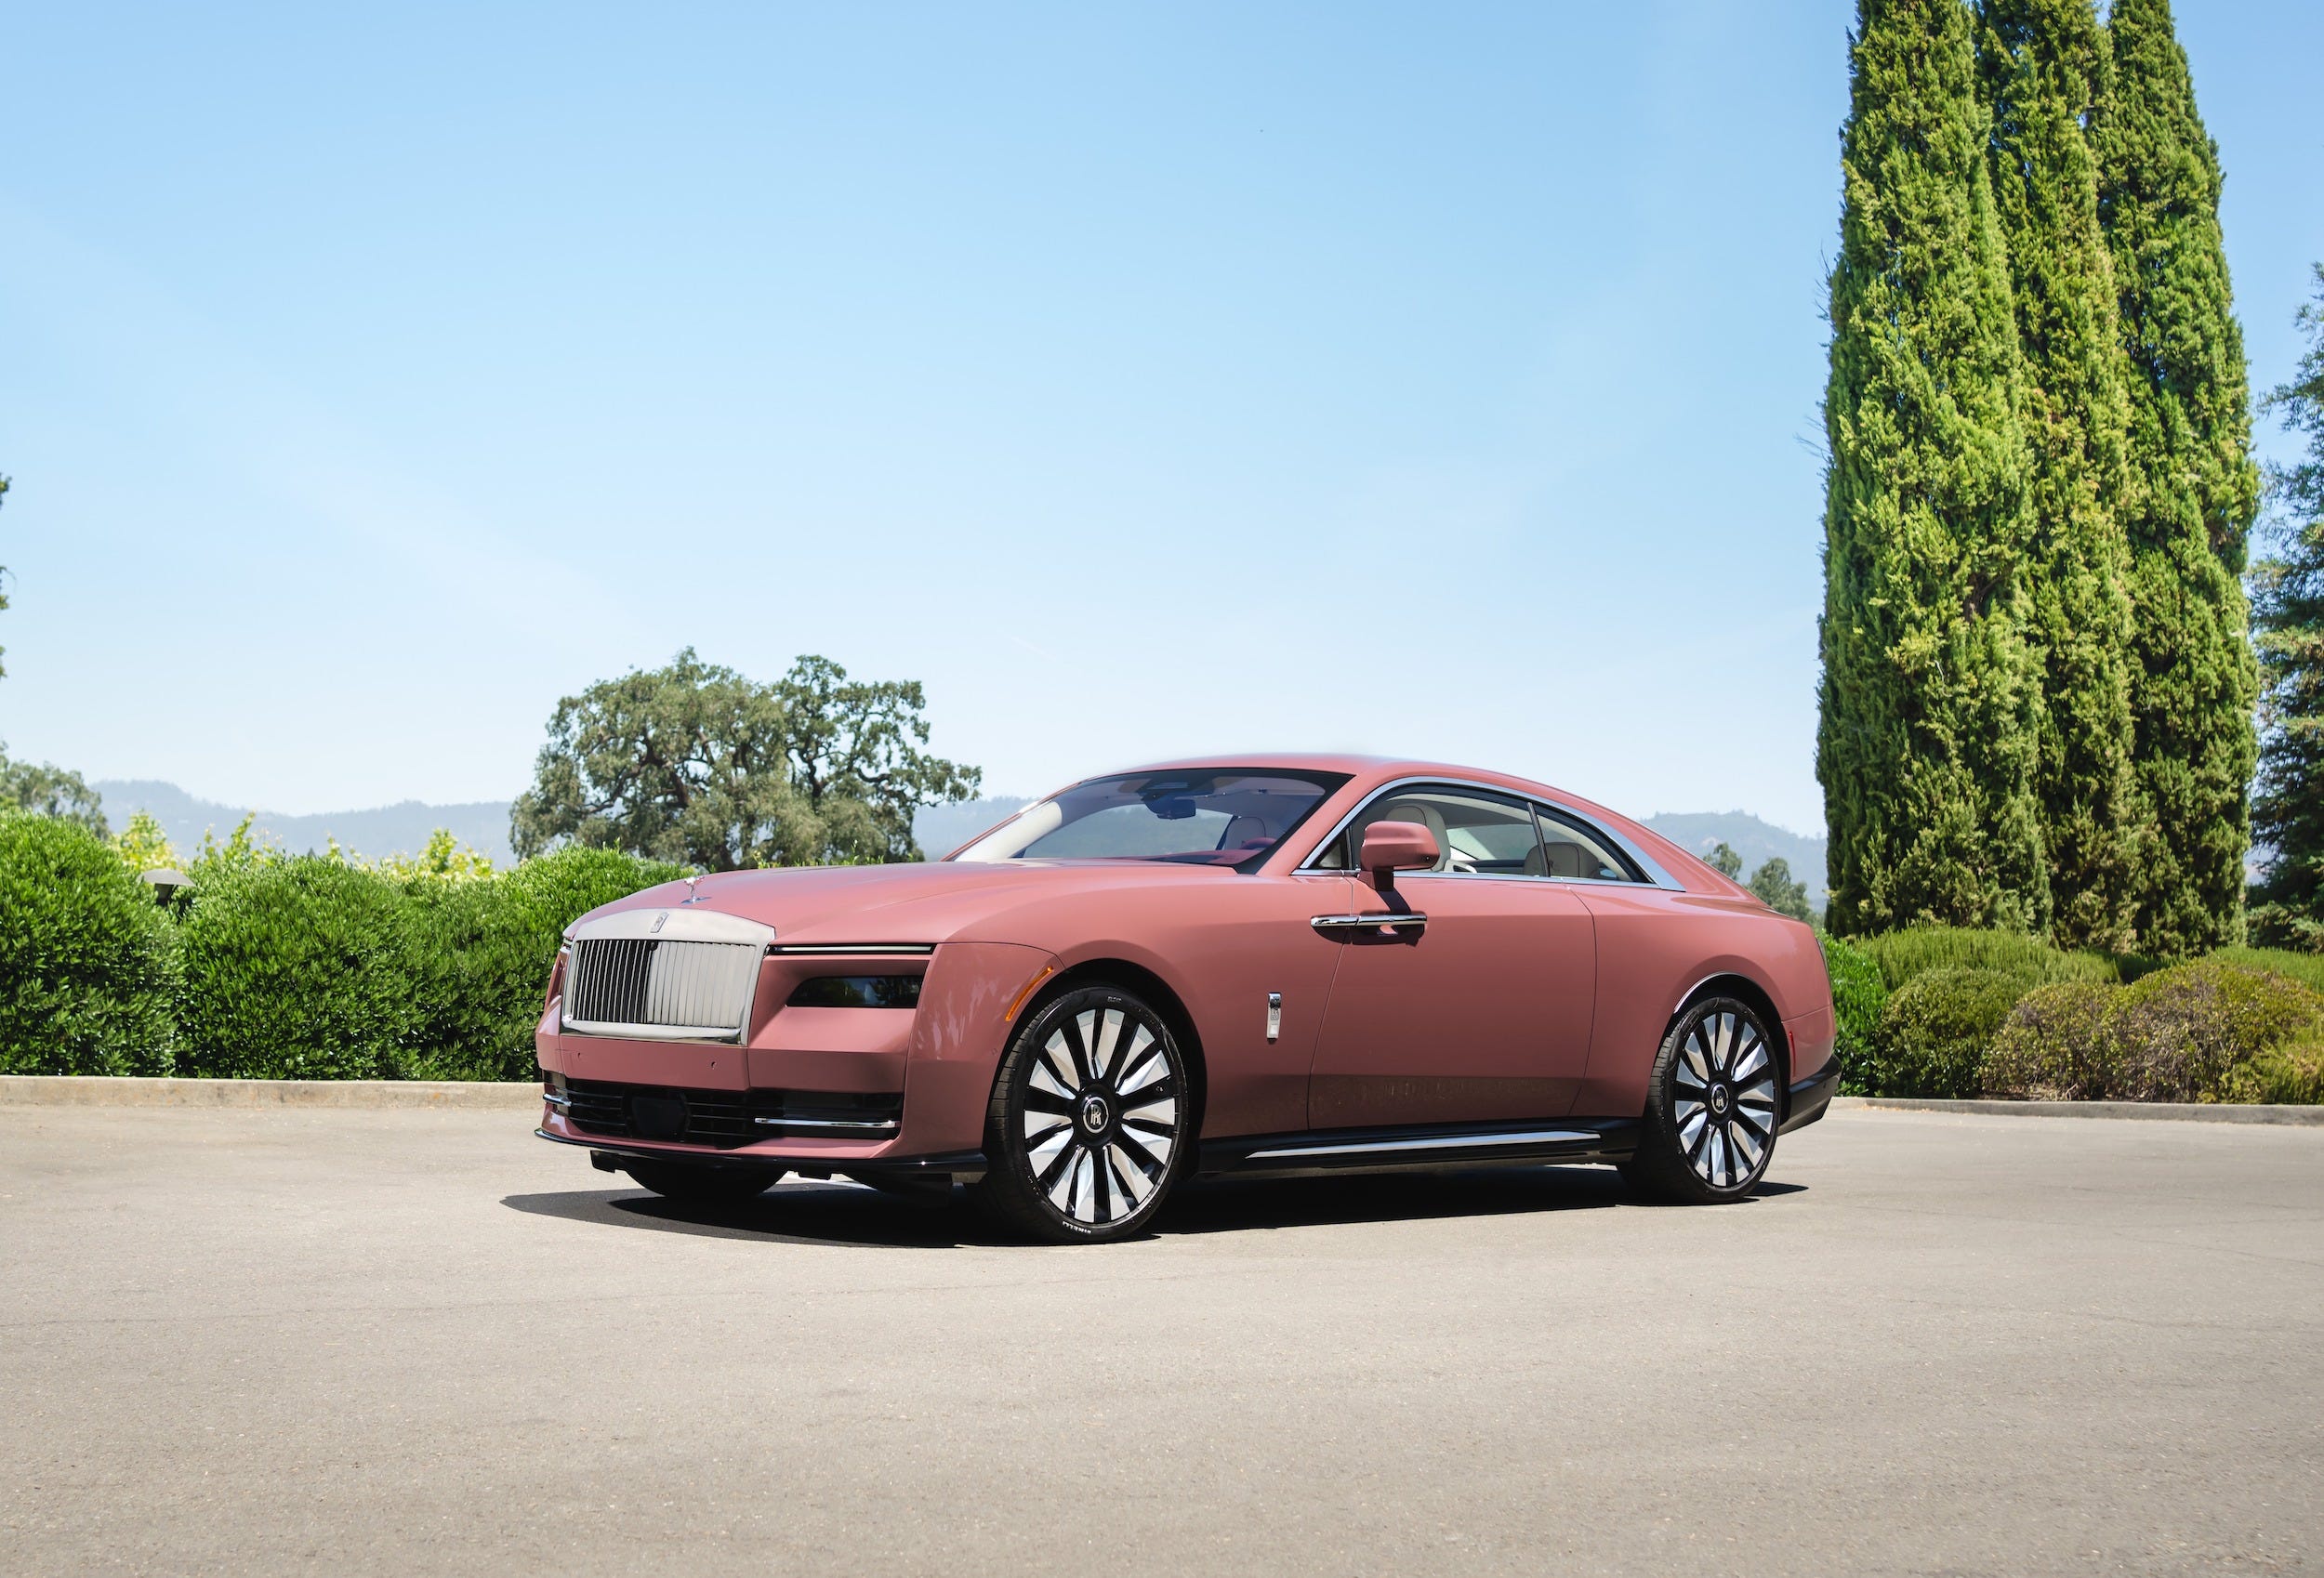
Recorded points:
399,1342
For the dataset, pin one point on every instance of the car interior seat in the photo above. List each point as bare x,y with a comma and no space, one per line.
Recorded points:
1562,856
1244,832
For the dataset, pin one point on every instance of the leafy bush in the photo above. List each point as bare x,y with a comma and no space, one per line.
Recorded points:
2182,1031
1858,997
2204,1031
2057,1045
2306,968
298,968
565,886
1934,1030
484,950
2293,1075
1902,956
88,966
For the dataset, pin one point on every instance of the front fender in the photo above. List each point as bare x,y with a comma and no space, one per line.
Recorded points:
958,1033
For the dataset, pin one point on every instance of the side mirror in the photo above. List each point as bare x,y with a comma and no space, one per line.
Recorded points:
1391,846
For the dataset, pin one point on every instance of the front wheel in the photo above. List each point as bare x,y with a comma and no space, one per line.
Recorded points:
1088,1118
1710,1107
692,1184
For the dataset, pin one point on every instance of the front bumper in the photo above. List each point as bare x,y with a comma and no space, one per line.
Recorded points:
1811,1097
809,1077
965,1167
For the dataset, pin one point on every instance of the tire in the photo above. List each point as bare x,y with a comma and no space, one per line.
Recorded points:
1713,1107
1088,1127
690,1184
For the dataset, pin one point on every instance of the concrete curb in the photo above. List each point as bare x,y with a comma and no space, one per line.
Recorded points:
75,1090
2168,1111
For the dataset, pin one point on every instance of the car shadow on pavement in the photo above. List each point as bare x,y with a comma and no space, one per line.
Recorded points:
803,1211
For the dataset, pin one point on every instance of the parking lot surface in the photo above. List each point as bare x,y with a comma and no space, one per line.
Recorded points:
390,1342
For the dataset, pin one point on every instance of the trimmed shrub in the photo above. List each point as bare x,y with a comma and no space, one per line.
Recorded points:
1934,1033
298,968
483,951
2306,968
87,962
2057,1045
1858,997
567,885
1902,956
2293,1075
474,955
2182,1033
2204,1031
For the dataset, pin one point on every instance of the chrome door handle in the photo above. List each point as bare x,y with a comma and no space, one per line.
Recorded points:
1368,923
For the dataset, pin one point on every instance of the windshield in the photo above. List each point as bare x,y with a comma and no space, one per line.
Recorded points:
1212,816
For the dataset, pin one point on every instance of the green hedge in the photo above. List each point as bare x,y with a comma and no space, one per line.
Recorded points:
2292,1074
1905,955
2306,968
1934,1032
1858,995
2205,1032
486,949
88,966
301,968
311,968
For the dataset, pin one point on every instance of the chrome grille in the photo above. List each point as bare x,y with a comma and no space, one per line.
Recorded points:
680,974
697,988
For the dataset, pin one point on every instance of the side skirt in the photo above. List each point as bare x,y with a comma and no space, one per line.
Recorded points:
1428,1147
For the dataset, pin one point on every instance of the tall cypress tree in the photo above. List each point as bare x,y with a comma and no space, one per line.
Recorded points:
1930,701
2194,747
2289,808
2041,60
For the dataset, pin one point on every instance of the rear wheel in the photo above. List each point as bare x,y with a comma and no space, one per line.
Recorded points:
1084,1134
1710,1107
691,1184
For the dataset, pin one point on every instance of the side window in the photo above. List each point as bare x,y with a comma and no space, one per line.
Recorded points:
1477,834
1569,851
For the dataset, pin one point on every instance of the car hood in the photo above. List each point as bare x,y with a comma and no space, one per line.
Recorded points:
929,901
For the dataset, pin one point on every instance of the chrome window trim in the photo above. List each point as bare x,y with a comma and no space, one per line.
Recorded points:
1403,876
1656,875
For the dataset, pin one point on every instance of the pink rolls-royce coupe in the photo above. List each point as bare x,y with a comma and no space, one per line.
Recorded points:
1269,964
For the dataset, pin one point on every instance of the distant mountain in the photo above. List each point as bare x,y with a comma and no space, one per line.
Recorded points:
389,830
484,826
403,828
1701,832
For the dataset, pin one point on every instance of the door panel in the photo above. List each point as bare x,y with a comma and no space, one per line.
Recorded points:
1482,1014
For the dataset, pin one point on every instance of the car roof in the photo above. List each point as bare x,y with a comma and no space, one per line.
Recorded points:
1367,771
1370,768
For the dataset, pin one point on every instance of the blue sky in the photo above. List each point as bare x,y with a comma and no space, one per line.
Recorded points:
1145,380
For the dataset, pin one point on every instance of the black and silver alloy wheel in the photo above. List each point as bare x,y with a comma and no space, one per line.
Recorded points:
1711,1107
1726,1106
1087,1119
